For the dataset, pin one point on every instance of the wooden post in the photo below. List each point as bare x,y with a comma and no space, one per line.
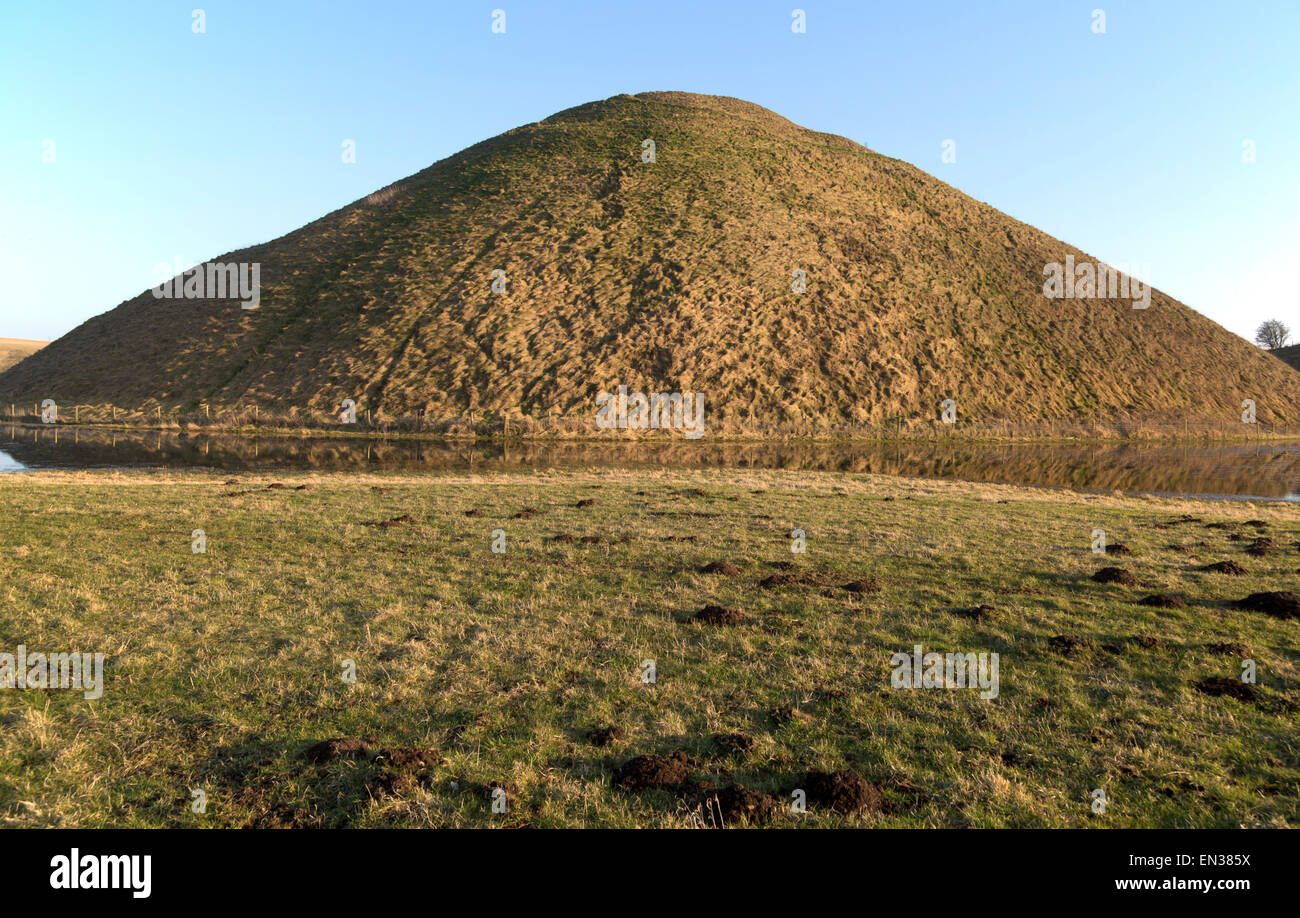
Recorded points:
76,414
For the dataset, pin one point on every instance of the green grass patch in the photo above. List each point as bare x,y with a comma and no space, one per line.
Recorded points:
223,668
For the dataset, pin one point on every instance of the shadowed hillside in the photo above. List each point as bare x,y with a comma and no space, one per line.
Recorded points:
672,275
1290,355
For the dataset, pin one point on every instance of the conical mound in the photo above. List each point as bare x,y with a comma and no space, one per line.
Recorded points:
676,274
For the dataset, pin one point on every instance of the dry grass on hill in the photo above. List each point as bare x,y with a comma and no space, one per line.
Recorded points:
668,276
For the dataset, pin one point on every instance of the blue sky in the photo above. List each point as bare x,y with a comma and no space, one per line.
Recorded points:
168,143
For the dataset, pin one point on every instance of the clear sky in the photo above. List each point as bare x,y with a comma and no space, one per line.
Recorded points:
166,143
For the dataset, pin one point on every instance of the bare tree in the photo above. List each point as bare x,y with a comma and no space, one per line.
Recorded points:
1272,334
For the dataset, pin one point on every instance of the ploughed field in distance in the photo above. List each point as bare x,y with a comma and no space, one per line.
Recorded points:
647,648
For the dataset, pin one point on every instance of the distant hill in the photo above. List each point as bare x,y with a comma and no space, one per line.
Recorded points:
1289,354
666,276
13,350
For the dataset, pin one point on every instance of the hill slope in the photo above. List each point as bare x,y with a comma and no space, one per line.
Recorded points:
13,350
672,275
1289,355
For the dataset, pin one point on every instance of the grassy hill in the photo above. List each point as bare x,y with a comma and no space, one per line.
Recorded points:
671,275
13,350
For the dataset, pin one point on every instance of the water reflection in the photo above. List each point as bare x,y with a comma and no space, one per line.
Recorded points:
1255,470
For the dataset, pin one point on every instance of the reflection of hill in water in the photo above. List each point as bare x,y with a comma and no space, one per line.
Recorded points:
1263,470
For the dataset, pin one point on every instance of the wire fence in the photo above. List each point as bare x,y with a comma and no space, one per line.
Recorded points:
495,424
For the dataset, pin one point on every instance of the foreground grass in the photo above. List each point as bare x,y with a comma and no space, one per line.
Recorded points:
224,667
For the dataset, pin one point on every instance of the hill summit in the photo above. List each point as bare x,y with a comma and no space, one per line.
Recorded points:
667,242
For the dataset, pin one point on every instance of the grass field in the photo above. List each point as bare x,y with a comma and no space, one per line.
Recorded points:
12,350
478,670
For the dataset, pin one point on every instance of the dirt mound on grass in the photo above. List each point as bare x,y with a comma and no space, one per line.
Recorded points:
1220,686
734,742
725,568
1069,643
647,771
604,736
1162,601
738,804
719,615
1281,604
340,747
843,791
1260,548
1115,575
1147,641
1226,567
981,613
797,578
1229,647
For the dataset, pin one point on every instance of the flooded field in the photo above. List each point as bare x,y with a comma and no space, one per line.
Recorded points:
1231,470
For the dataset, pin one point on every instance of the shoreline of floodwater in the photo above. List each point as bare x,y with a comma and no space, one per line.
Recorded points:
348,432
1258,470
